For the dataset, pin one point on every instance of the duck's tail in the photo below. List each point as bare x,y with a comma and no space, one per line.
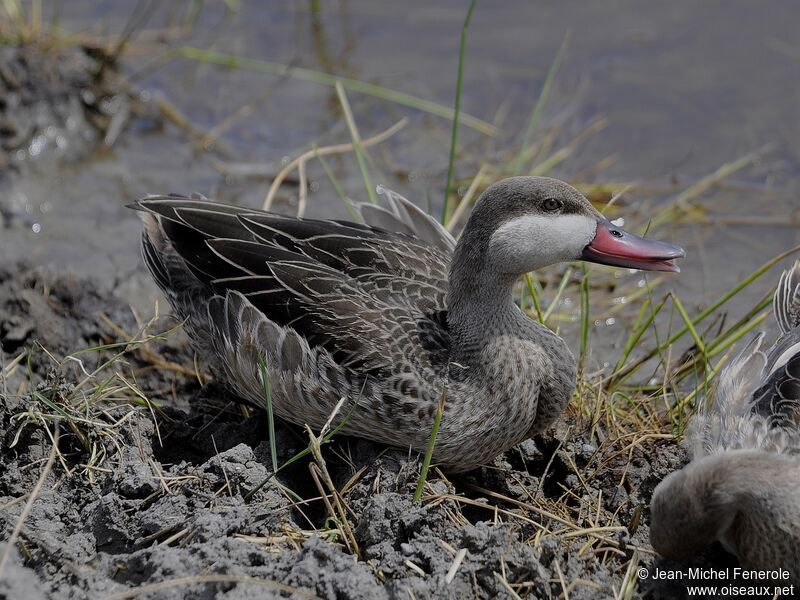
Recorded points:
786,302
757,401
728,422
404,216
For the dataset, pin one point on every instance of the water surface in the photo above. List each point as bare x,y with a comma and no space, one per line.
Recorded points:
685,87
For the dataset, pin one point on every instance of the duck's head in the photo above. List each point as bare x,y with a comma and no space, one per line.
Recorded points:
532,222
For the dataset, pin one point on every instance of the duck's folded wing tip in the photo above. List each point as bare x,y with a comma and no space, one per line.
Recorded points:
786,302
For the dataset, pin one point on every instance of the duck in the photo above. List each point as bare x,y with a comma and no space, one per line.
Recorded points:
391,314
741,486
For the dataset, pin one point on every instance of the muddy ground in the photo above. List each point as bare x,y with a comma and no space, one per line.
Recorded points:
173,498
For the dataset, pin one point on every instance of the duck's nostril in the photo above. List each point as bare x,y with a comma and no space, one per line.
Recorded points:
616,233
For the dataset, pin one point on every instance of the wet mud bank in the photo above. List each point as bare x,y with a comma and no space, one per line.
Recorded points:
57,105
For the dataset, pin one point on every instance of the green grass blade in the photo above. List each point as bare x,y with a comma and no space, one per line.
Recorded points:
303,453
584,313
744,323
733,292
536,113
682,202
689,325
262,367
426,462
339,189
752,319
560,290
535,297
356,139
711,309
457,109
639,329
370,89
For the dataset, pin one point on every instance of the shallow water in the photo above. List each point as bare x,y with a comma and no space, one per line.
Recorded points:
686,87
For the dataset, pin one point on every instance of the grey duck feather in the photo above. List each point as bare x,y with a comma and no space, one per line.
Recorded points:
389,313
742,487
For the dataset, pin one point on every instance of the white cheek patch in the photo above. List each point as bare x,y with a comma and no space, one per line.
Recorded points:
533,241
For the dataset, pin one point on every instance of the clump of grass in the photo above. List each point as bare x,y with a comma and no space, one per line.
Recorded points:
319,473
18,24
91,404
324,437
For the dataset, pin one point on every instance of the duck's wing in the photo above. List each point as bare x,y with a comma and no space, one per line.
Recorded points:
778,399
725,423
786,302
757,401
404,216
370,297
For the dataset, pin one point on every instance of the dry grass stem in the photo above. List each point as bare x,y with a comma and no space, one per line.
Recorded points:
325,151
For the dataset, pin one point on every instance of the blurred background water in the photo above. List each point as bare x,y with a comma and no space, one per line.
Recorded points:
670,92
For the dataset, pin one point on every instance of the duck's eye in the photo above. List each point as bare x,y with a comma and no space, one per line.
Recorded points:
552,204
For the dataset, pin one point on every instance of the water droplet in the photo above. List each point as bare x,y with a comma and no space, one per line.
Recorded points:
618,222
36,227
641,283
380,190
610,321
37,145
88,97
619,300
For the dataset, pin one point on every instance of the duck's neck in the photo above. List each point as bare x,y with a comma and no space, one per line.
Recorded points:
480,302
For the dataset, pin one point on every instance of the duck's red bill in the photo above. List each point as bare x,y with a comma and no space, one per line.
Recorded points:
614,246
